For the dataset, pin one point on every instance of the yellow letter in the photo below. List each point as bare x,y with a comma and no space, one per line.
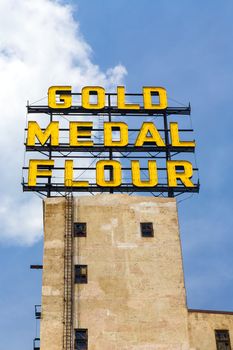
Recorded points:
69,169
154,136
34,170
184,176
121,100
80,130
175,139
34,131
65,98
153,174
109,127
112,165
93,90
148,91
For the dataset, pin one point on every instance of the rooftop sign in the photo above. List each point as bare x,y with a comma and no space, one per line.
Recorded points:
96,141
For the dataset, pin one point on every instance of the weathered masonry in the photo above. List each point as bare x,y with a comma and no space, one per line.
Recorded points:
113,278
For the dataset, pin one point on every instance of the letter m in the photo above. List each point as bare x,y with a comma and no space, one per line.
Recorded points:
34,131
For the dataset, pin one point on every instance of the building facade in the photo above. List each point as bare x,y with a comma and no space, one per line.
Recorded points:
126,286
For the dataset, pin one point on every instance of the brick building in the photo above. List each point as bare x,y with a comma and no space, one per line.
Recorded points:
113,279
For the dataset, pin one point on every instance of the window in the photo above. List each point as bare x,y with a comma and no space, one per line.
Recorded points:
147,229
81,339
80,274
80,229
222,340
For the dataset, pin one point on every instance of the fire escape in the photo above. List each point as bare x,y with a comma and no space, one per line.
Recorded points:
36,340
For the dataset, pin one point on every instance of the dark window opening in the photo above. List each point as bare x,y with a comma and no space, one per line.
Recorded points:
222,339
81,339
80,274
80,229
147,229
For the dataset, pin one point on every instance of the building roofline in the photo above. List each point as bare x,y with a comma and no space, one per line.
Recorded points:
211,311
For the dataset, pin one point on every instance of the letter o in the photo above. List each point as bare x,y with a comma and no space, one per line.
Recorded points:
103,165
94,90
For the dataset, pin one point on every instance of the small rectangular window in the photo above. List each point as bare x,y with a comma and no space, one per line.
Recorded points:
81,339
80,274
147,229
80,229
222,339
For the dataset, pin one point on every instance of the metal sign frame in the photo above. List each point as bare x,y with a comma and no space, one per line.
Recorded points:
98,151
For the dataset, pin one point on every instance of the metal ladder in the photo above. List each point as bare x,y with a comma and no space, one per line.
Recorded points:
68,343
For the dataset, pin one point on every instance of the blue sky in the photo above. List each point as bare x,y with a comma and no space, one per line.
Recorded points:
185,46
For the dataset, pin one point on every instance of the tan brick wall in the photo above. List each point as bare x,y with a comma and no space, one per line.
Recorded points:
135,296
202,327
51,337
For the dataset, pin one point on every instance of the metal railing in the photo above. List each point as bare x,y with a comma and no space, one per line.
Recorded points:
38,312
36,344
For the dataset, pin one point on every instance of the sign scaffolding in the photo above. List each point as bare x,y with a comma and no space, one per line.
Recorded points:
124,144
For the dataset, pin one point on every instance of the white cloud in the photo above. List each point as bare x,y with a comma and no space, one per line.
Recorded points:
41,46
21,221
